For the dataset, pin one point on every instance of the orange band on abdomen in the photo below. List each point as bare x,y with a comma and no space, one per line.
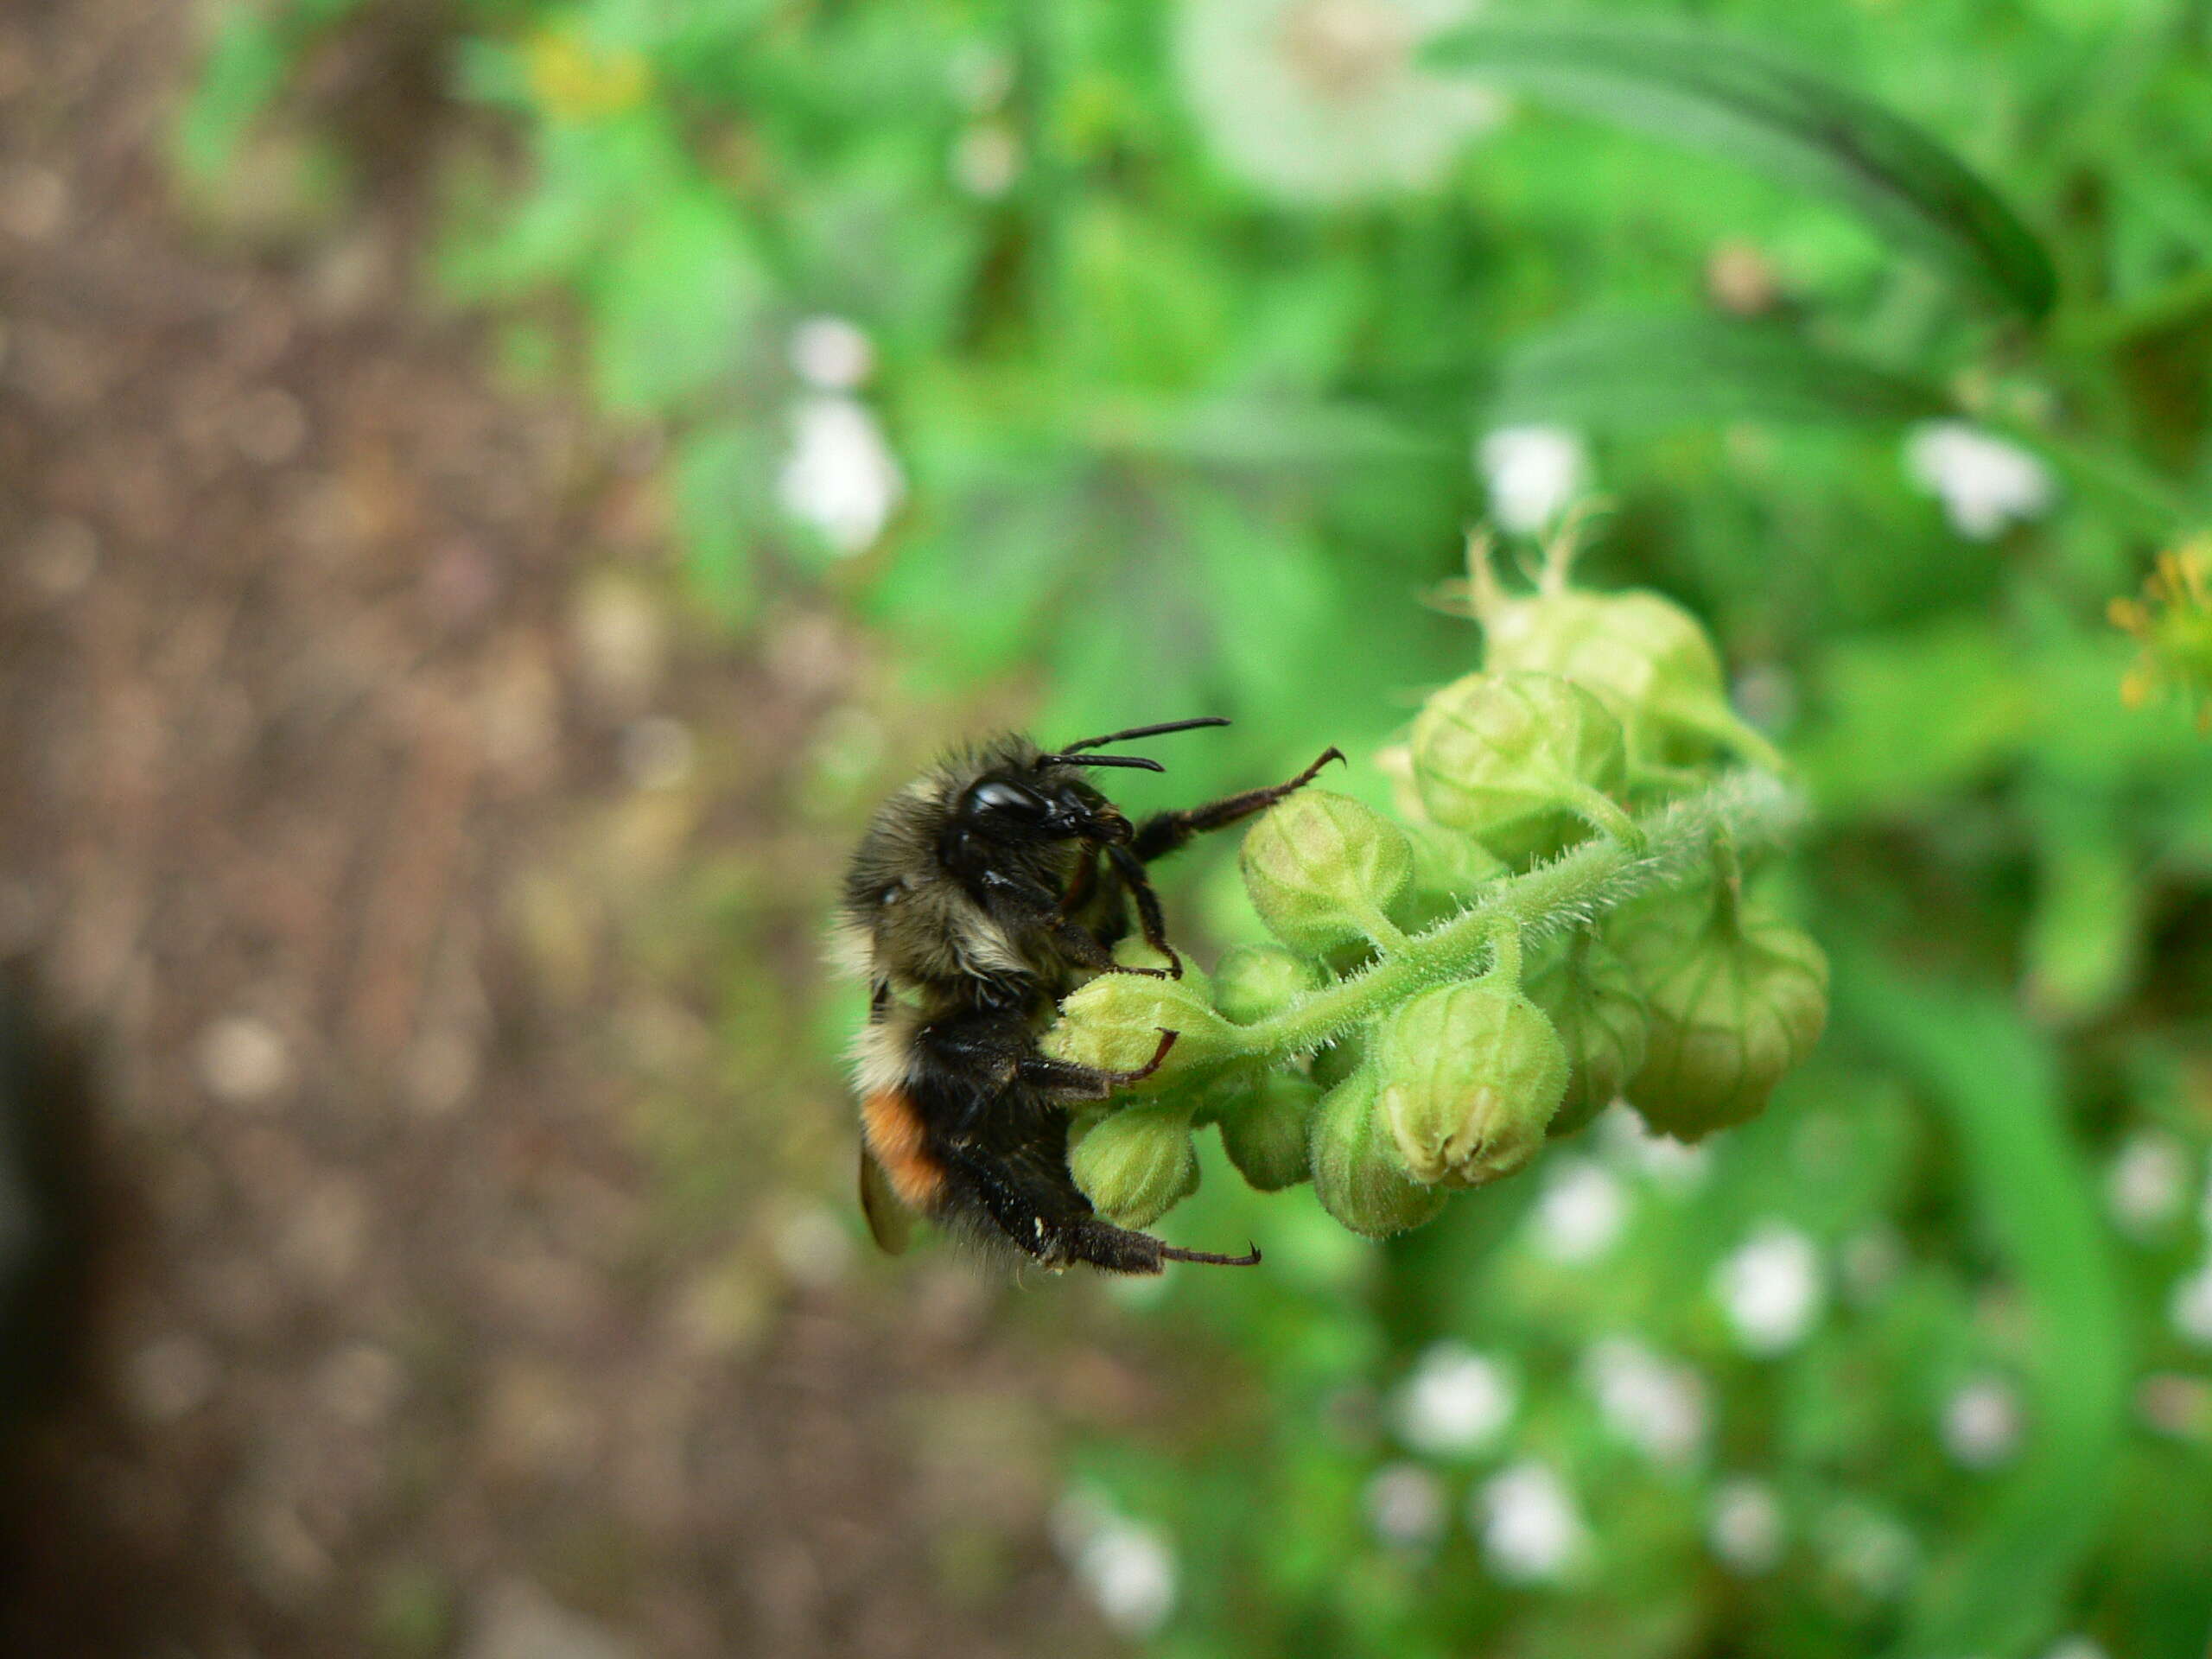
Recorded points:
894,1130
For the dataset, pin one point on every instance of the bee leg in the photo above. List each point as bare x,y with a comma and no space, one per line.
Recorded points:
1042,1213
1116,1249
1030,906
1163,833
1082,889
1071,1080
1150,921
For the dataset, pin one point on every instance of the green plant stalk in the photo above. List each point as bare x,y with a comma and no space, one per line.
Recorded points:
1749,808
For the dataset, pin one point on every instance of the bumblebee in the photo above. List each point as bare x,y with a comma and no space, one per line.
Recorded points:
980,894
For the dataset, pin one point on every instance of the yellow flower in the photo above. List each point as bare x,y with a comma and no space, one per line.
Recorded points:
574,79
2173,623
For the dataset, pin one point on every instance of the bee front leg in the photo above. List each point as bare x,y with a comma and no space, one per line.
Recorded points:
1069,1080
1163,833
1083,947
1150,920
1030,908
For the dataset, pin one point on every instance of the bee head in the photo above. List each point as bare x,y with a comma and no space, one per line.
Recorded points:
1042,801
1004,817
1031,798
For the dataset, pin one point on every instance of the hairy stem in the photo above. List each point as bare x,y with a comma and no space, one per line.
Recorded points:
1749,808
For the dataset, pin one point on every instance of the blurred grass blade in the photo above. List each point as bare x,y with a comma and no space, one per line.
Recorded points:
1286,434
2002,1586
1640,371
1717,95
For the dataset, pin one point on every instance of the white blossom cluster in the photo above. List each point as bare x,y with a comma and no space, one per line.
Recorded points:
1985,483
839,477
1127,1568
1321,100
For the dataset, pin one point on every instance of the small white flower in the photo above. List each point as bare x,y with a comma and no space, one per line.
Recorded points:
1455,1404
1321,99
1655,1404
987,160
840,476
1405,1505
1743,1526
1126,1568
1666,1162
1530,1529
1981,1423
1771,1289
1983,482
1533,474
2191,1306
2075,1647
2144,1183
830,354
1581,1213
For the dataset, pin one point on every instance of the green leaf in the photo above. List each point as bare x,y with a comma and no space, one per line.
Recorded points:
1717,95
675,303
1639,372
1995,1081
1905,718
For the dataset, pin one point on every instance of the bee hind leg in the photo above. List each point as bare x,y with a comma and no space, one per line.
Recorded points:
1116,1249
1043,1214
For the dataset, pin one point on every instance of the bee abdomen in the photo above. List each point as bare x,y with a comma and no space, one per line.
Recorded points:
896,1138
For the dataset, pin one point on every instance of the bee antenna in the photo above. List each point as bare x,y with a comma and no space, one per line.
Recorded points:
1135,760
1143,731
1169,1252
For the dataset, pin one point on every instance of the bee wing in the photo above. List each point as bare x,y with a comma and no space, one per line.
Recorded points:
890,1221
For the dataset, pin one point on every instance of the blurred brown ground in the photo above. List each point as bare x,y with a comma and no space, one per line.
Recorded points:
343,814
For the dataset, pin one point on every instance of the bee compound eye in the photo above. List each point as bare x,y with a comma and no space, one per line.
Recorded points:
1009,798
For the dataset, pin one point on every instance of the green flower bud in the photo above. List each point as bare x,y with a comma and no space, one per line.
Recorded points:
1522,760
1268,1128
1114,1022
1134,1165
1324,870
1448,867
1645,656
1471,1075
1591,1001
1358,1174
1735,997
1253,980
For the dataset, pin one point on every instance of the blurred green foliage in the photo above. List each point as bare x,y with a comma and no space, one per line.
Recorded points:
1183,424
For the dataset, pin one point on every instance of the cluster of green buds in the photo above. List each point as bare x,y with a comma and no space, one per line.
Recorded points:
1556,918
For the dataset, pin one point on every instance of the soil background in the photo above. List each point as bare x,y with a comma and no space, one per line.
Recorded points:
416,906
